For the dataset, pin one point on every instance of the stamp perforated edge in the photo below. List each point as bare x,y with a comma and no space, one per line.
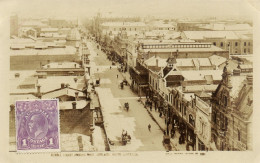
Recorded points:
40,150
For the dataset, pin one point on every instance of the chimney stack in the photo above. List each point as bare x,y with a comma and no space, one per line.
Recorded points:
39,91
76,96
157,63
75,79
74,104
62,85
17,75
12,107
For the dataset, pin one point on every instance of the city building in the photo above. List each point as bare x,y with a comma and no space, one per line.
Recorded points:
231,110
228,40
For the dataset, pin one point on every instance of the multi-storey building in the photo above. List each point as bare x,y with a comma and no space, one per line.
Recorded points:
231,111
235,43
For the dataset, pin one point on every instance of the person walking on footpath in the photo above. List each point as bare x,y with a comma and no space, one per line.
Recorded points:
149,127
151,107
110,67
117,76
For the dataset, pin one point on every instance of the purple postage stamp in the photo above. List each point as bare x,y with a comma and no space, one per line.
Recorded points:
37,125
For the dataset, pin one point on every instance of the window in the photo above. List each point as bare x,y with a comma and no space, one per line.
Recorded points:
225,100
248,43
214,43
184,110
238,135
244,50
236,44
221,44
248,50
244,43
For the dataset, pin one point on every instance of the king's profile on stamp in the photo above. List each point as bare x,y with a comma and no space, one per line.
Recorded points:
37,125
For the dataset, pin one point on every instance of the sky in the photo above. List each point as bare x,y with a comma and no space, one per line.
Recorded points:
169,8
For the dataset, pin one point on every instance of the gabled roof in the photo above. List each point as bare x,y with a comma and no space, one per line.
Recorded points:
61,92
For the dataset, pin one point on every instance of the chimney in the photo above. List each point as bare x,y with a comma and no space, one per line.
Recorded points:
249,79
75,79
17,75
236,72
39,90
74,104
62,85
76,96
12,107
157,63
75,65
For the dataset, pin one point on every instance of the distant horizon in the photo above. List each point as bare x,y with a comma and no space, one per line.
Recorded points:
134,8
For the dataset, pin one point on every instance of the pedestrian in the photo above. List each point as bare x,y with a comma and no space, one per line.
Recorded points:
117,76
110,67
164,132
151,107
160,115
149,127
155,106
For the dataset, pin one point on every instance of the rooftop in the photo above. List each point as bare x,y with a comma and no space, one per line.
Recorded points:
198,74
62,65
199,35
61,92
125,24
68,104
68,50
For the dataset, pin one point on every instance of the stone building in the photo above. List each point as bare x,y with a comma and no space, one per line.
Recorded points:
231,111
231,41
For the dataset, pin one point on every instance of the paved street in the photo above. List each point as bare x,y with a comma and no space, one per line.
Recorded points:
135,121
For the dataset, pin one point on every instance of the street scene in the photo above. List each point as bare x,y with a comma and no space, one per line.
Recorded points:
136,83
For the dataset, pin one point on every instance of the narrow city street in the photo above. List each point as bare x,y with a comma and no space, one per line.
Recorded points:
116,118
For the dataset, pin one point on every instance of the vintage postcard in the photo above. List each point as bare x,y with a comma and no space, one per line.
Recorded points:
131,78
